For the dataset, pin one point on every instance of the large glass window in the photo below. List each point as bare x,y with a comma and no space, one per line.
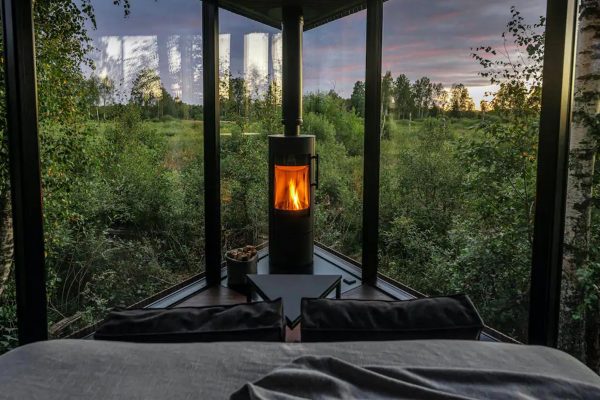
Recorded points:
250,89
334,73
458,151
120,101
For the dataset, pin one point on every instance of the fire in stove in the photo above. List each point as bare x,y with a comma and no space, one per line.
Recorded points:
292,187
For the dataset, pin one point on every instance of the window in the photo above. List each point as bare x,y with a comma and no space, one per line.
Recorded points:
121,153
458,152
250,95
334,69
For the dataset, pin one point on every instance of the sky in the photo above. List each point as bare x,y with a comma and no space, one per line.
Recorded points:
429,38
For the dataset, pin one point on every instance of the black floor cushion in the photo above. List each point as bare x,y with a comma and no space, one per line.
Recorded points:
261,322
330,320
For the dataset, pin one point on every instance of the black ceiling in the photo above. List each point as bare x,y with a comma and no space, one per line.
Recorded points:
315,12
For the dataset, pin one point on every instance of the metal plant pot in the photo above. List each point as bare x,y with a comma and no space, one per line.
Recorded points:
237,271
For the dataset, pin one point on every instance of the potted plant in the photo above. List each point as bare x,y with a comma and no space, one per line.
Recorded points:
240,262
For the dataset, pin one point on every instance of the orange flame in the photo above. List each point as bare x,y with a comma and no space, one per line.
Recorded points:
291,187
294,197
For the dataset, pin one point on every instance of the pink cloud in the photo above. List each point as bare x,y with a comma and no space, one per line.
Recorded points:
483,37
403,46
420,54
348,68
444,16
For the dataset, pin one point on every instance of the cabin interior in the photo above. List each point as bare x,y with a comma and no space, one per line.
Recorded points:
291,317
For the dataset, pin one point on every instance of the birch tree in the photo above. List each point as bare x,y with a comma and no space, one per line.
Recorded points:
579,327
6,247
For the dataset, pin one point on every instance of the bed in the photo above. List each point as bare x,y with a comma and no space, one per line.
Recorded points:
92,369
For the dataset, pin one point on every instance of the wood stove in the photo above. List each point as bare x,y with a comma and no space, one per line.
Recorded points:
293,177
293,165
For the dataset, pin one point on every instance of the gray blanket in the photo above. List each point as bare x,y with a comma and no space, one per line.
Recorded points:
314,377
94,369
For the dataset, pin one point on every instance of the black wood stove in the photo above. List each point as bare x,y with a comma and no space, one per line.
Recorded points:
293,166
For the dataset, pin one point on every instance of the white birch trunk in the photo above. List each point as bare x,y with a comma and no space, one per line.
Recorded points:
6,241
583,149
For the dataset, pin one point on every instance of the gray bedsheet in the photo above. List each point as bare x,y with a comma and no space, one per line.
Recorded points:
74,369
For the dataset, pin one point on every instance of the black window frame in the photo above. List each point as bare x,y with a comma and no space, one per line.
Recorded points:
24,161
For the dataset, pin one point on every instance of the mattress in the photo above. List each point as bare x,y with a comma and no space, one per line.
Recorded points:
70,369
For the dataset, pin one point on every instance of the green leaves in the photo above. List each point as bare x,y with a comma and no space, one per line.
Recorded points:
357,98
520,67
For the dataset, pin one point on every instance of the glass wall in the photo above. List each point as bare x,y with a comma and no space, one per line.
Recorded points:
580,307
8,307
120,105
334,73
250,92
458,151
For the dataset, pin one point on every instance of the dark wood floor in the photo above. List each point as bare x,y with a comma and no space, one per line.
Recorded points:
366,292
221,295
218,295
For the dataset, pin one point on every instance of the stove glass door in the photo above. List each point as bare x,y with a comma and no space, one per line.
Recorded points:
292,187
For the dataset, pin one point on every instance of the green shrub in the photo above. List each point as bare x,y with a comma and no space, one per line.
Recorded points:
318,125
8,316
167,118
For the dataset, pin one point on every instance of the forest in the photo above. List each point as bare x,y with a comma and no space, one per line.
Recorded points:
123,180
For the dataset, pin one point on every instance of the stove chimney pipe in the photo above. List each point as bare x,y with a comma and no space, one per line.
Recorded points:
292,28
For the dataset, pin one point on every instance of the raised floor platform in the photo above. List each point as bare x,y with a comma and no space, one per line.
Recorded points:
195,292
326,262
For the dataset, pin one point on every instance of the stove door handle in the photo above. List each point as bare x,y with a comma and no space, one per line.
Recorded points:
316,183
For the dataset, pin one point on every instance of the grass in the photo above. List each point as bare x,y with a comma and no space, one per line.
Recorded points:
185,137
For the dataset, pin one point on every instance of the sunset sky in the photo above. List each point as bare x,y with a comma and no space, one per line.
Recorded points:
421,38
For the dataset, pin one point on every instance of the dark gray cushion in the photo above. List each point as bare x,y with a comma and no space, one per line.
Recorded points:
450,317
259,322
